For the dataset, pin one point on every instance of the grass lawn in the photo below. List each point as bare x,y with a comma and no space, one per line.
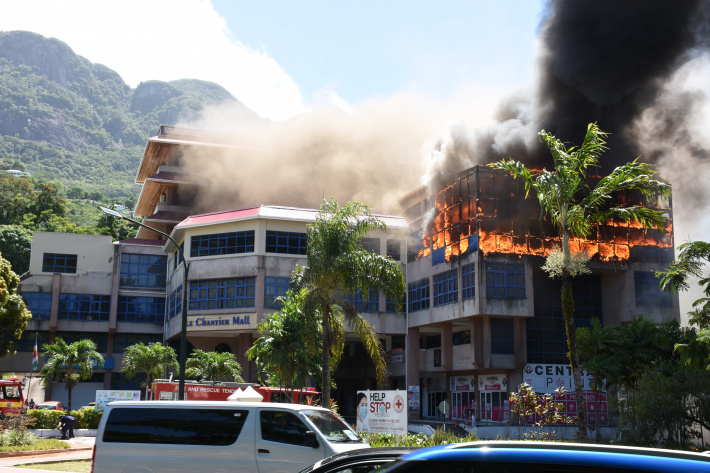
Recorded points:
39,444
76,466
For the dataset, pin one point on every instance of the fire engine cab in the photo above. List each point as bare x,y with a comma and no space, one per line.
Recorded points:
167,390
11,397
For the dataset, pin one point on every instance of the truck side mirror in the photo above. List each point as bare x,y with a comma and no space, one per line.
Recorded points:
311,440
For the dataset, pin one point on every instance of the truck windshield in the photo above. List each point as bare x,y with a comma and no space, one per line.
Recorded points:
331,426
10,392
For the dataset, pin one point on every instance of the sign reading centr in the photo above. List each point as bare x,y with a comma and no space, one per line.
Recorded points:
221,322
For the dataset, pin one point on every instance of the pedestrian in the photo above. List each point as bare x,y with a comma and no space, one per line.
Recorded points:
32,404
67,425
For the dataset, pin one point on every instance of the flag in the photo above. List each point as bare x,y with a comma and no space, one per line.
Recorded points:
35,356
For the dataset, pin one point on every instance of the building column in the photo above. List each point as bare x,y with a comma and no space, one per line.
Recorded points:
413,364
476,328
243,344
447,347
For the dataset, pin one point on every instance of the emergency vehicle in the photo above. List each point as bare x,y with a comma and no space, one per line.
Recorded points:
12,400
167,390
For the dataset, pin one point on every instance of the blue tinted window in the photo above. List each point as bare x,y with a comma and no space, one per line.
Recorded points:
505,280
39,303
274,287
92,307
393,250
227,293
143,271
371,244
58,263
502,336
446,290
222,244
648,291
418,295
371,304
468,281
141,309
288,243
175,302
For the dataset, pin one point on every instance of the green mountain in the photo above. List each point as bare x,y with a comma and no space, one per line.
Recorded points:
67,119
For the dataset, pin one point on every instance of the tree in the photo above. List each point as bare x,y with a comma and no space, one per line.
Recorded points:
48,202
566,198
76,360
17,196
13,312
15,246
288,349
338,265
152,359
213,366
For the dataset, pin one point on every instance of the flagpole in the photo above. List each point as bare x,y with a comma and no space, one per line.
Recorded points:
35,362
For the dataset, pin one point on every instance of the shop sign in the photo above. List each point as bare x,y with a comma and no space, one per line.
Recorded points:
547,378
397,355
382,412
463,383
492,382
103,397
221,322
413,398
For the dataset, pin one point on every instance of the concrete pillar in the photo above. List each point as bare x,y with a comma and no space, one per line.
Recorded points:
446,346
243,344
413,363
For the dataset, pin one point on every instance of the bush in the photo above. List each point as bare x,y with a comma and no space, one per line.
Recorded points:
13,432
440,437
87,418
44,418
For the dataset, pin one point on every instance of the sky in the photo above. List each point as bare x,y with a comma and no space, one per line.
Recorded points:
281,58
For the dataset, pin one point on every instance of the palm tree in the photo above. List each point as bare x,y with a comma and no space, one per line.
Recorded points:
213,366
567,200
338,265
77,359
288,349
152,359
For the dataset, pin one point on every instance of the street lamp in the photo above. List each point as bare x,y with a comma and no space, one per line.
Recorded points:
186,268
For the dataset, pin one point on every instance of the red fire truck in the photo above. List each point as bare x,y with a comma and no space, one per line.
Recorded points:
167,390
12,400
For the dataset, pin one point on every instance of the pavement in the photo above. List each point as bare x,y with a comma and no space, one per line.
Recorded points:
81,449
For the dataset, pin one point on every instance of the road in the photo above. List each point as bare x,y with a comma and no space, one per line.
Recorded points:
81,449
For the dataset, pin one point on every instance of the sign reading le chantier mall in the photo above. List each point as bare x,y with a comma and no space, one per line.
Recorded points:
221,322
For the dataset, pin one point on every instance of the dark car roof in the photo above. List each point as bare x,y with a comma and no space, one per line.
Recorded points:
560,453
362,454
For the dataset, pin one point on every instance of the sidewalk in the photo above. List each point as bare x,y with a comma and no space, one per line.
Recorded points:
81,449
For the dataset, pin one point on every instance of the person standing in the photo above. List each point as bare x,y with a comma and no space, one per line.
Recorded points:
32,404
67,426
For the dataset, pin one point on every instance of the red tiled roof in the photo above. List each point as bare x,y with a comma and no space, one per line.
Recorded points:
216,217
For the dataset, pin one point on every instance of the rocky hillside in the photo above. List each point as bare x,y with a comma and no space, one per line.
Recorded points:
63,117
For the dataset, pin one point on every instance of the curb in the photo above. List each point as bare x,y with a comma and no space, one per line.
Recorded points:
30,453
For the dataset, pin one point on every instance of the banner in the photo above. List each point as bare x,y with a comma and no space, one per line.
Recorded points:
103,397
382,412
35,356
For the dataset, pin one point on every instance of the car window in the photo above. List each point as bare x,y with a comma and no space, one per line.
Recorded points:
361,467
502,467
282,427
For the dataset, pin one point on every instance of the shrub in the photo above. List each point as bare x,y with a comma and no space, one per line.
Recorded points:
44,418
440,437
87,418
13,432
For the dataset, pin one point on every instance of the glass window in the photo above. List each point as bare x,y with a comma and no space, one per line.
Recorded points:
143,270
393,250
390,305
282,427
418,295
58,263
222,244
39,303
274,287
26,343
446,289
184,426
371,244
502,336
505,280
94,307
175,302
371,304
648,291
468,281
141,309
290,243
100,339
228,293
121,341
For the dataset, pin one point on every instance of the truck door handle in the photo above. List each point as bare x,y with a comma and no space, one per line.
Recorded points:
263,450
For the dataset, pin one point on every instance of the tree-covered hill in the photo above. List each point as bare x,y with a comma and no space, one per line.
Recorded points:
65,118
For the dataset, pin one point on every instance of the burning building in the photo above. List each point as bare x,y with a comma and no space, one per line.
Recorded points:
483,316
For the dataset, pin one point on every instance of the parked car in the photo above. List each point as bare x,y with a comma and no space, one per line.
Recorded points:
214,436
51,405
535,457
358,461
